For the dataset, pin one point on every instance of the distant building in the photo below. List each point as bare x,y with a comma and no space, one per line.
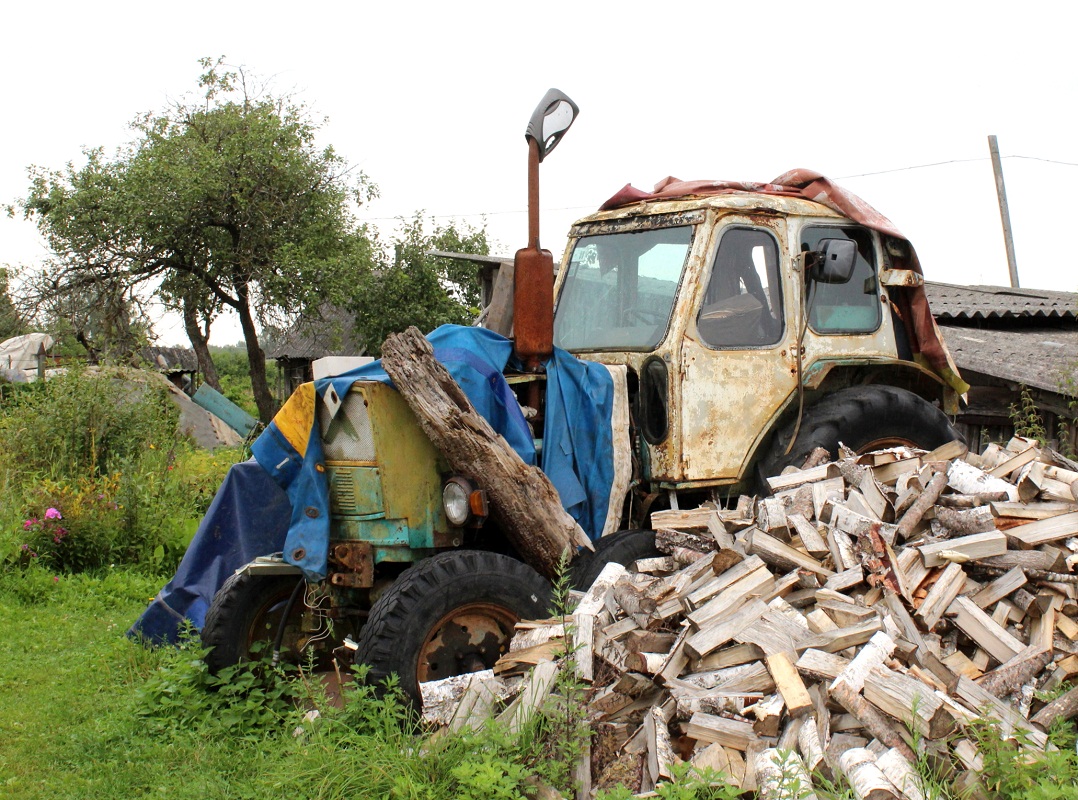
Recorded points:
1004,339
330,334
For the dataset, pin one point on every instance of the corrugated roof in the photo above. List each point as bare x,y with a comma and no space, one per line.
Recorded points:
1045,359
951,302
170,359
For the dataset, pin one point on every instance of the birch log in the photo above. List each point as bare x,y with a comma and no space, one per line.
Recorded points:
523,502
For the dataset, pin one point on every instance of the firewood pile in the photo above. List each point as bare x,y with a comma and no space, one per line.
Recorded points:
869,605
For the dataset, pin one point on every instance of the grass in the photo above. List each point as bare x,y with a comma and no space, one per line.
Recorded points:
83,714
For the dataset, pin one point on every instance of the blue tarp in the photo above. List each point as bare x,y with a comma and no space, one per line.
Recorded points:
251,516
247,518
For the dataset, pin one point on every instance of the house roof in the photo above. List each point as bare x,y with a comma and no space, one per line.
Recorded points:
950,302
1046,358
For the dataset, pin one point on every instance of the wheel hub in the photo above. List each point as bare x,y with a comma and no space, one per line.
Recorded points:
467,639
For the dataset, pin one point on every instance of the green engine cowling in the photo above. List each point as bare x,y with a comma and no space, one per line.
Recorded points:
385,485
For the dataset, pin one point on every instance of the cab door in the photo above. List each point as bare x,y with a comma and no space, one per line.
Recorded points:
738,360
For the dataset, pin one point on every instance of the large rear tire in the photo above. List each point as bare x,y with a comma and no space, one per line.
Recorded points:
863,418
450,614
624,547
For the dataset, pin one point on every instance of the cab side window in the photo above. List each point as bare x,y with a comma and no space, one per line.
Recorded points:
743,303
851,307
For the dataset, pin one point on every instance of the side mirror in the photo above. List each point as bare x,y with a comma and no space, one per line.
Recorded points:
550,120
834,261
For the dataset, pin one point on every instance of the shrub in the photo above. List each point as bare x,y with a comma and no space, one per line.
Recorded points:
83,422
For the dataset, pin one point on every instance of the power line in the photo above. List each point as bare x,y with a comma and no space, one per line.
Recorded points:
839,178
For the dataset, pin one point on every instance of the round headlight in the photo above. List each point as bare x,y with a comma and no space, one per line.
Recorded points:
455,503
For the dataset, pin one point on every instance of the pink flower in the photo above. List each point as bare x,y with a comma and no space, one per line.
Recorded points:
52,513
55,578
30,523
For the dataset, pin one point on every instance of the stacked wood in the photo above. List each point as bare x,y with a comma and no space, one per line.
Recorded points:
868,604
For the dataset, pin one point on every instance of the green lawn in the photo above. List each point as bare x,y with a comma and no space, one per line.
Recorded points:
68,681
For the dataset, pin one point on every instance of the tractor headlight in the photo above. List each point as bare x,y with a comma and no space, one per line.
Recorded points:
463,503
455,502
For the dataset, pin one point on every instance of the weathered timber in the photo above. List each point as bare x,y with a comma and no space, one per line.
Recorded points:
901,774
523,502
809,534
527,703
752,582
810,746
768,713
660,752
977,699
793,480
1063,707
668,539
838,640
872,719
1025,559
725,628
879,649
971,500
1002,586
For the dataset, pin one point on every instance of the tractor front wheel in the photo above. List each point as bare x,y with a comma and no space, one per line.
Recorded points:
450,614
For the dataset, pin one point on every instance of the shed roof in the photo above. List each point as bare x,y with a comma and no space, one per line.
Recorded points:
952,302
170,359
329,334
1046,358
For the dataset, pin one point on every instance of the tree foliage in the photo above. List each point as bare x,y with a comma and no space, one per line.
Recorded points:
406,285
222,201
10,322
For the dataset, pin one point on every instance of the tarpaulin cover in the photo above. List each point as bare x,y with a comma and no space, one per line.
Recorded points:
248,520
925,339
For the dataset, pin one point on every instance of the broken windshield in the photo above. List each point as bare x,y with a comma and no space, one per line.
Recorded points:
620,289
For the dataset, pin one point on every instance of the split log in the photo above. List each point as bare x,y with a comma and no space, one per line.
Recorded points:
789,684
965,548
523,502
943,592
873,720
982,629
907,699
736,734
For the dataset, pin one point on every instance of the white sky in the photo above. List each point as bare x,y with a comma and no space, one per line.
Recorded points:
431,100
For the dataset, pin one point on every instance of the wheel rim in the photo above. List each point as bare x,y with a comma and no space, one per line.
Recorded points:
468,639
884,443
266,620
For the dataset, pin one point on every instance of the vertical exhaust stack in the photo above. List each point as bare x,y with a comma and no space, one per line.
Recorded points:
533,281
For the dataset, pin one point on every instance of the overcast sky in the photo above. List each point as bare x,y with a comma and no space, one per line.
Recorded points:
431,101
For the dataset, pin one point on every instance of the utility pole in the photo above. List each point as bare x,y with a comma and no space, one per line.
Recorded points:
1004,212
